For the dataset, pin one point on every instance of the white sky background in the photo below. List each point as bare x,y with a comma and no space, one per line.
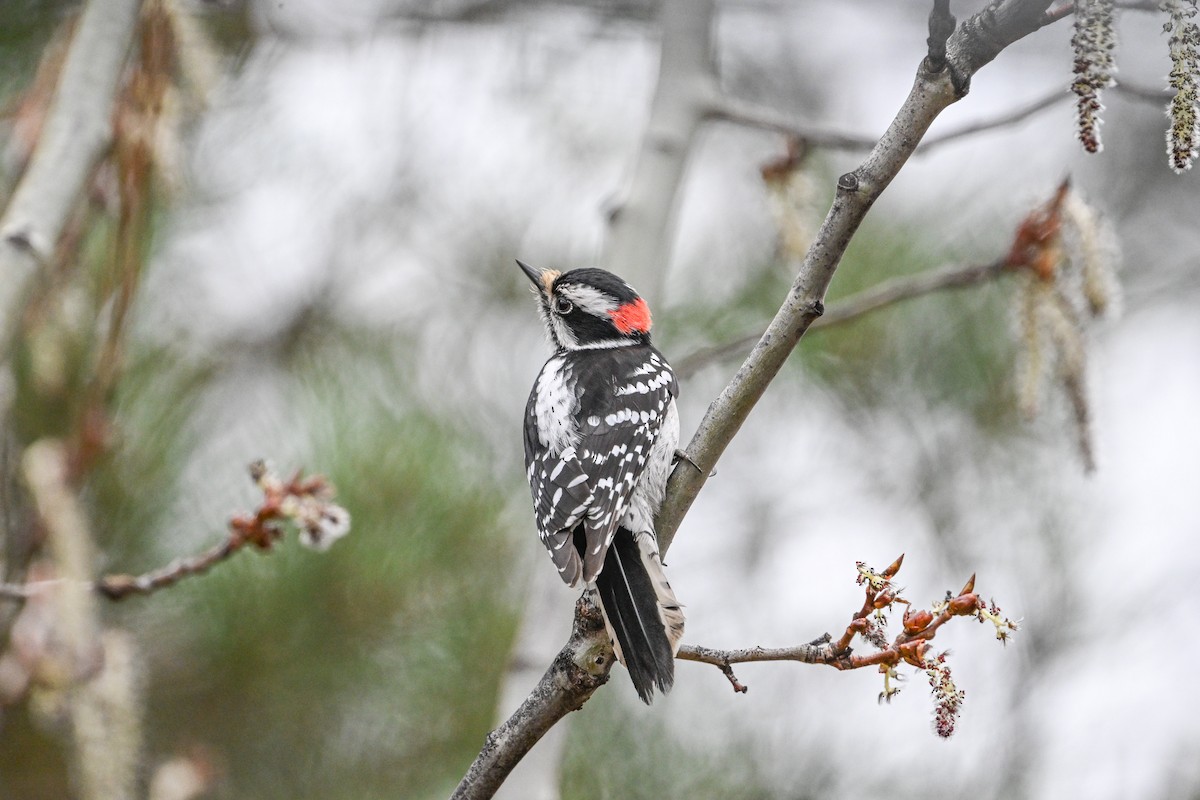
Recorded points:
376,171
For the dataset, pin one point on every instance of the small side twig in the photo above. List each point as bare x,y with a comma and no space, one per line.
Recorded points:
818,651
120,586
754,115
911,646
941,25
884,294
304,501
1011,117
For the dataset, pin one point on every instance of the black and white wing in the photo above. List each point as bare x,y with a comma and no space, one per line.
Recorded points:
557,479
618,405
616,441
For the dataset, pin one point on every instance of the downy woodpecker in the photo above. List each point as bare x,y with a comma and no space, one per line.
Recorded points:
601,431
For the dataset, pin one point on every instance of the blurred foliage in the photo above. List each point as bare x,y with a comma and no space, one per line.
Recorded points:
25,28
155,398
952,347
296,669
301,668
615,753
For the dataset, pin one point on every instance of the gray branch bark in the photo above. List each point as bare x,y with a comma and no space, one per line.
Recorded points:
579,669
583,664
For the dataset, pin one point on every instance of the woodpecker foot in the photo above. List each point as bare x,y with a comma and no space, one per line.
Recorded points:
682,456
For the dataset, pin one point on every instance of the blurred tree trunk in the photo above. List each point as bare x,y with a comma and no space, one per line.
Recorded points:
642,226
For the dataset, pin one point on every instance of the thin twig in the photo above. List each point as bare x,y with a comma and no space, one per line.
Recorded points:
119,586
731,109
754,115
766,118
1141,92
1012,117
910,645
820,651
305,502
881,295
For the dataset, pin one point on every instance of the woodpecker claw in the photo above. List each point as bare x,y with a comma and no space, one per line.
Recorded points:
682,456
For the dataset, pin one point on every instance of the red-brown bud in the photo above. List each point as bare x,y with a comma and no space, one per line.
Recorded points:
917,621
914,652
964,604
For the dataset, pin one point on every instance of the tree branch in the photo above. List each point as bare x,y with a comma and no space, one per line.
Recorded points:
973,45
1141,92
893,290
76,135
754,115
731,109
304,502
976,42
911,645
579,669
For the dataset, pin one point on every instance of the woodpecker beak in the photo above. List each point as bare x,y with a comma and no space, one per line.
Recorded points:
543,279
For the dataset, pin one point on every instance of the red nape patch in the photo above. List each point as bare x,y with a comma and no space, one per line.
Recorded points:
632,317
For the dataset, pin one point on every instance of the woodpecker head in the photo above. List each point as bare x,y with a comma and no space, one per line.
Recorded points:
589,308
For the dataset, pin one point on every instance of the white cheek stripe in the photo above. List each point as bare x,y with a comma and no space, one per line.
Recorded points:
589,300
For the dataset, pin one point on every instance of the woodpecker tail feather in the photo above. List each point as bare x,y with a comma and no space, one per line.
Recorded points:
644,620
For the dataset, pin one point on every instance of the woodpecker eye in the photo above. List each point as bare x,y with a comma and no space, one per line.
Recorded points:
563,306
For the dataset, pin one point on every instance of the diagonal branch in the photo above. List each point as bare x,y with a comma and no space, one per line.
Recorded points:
976,42
579,669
